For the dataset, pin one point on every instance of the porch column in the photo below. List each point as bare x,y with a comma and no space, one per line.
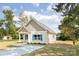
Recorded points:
19,38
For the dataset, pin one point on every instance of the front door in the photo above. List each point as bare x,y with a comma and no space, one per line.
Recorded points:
26,37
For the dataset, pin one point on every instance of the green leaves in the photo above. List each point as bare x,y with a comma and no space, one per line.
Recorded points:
1,22
65,8
71,18
11,29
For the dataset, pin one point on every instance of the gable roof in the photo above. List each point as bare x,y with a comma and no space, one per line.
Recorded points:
40,24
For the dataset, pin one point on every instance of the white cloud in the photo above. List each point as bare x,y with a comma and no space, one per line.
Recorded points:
50,6
6,7
36,4
25,13
51,21
15,18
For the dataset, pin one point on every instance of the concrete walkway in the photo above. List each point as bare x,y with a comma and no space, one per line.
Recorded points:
18,51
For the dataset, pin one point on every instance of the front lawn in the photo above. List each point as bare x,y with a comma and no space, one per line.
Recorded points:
57,49
5,43
66,42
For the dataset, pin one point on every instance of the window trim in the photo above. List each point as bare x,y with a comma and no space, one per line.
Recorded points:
38,37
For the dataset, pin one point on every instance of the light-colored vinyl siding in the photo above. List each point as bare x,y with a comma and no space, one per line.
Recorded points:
44,37
51,38
33,26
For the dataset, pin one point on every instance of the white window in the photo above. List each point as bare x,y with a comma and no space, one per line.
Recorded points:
37,37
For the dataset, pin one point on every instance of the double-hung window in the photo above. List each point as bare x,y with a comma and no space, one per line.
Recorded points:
37,37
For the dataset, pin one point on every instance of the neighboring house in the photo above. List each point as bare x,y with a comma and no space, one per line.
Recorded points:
36,32
6,38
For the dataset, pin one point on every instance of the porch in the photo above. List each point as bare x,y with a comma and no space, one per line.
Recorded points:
23,37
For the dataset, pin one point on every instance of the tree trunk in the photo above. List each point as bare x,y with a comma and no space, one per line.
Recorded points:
74,42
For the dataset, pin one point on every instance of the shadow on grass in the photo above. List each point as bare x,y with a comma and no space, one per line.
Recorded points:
56,50
11,46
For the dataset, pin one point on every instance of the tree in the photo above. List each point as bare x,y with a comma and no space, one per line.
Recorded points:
10,27
71,19
2,31
65,8
23,19
1,22
68,28
61,36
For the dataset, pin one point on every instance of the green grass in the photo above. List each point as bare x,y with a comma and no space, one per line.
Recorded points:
59,48
67,42
8,40
56,50
6,43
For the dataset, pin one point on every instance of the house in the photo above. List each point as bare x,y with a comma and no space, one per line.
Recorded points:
6,38
36,32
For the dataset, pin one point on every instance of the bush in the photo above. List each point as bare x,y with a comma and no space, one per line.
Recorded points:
61,36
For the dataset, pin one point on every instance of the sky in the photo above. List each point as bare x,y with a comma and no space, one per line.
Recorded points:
43,12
